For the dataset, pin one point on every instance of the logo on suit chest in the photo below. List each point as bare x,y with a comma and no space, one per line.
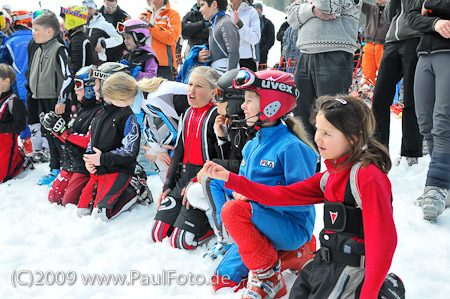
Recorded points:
267,163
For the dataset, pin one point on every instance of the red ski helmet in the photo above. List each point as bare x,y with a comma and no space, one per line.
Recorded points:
276,89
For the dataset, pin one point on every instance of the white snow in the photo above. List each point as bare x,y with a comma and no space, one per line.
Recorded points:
38,237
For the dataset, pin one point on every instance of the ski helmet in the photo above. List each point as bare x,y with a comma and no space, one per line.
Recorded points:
137,28
23,18
89,3
226,93
2,21
74,16
107,69
276,89
37,13
83,80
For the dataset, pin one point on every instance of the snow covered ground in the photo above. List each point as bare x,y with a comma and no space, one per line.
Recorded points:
52,245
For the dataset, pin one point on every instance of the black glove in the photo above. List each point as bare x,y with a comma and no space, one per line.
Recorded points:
54,123
41,118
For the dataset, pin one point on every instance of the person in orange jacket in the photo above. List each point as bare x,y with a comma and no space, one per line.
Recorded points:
165,29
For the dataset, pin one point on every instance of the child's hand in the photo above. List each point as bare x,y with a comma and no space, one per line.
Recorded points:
91,168
185,201
200,175
216,171
164,157
204,56
147,154
239,196
93,159
220,121
60,108
161,196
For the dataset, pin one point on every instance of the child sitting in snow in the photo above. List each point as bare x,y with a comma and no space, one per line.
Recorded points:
13,120
112,151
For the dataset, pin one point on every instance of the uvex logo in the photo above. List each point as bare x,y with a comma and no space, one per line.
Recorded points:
279,86
100,75
67,11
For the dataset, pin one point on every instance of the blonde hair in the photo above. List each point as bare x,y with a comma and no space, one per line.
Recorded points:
296,128
119,86
209,74
150,85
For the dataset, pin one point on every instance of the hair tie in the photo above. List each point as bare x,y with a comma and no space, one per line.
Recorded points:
342,101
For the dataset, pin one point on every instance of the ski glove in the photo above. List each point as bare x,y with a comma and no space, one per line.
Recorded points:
125,62
135,71
54,123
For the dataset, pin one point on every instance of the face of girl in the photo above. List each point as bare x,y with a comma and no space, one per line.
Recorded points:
331,142
251,107
129,41
80,94
199,91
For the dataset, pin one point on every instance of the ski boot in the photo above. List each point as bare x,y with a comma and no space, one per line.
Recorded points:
49,178
294,260
266,283
223,285
217,250
434,203
139,183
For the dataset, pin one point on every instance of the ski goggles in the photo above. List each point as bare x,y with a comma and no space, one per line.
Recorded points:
111,7
80,84
122,28
246,79
218,98
95,75
37,13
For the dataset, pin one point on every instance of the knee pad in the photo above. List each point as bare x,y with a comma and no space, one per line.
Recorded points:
160,230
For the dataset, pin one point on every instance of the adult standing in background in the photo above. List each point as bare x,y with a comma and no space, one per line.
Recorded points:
114,14
399,60
102,34
194,27
165,29
267,35
247,20
431,90
327,34
375,34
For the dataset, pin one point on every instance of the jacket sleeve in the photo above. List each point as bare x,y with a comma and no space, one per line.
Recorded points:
67,86
177,158
334,7
251,32
441,5
151,68
167,34
306,192
114,39
230,35
129,150
270,36
419,22
299,14
379,228
197,29
19,115
392,9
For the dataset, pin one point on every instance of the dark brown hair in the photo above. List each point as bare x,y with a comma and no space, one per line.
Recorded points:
355,120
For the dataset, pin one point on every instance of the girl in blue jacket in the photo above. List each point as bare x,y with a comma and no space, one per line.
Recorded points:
278,155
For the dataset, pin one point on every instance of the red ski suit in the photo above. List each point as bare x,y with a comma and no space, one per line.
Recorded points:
374,188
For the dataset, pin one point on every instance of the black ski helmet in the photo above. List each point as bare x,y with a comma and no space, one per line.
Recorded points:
227,93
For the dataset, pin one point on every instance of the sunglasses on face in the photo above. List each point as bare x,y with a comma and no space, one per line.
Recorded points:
111,7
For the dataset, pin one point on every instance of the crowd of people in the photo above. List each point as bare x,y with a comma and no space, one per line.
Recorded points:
233,140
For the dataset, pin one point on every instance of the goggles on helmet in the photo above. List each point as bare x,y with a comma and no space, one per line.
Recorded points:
246,79
122,28
80,83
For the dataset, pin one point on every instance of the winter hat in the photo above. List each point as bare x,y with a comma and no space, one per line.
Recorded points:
258,5
89,3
